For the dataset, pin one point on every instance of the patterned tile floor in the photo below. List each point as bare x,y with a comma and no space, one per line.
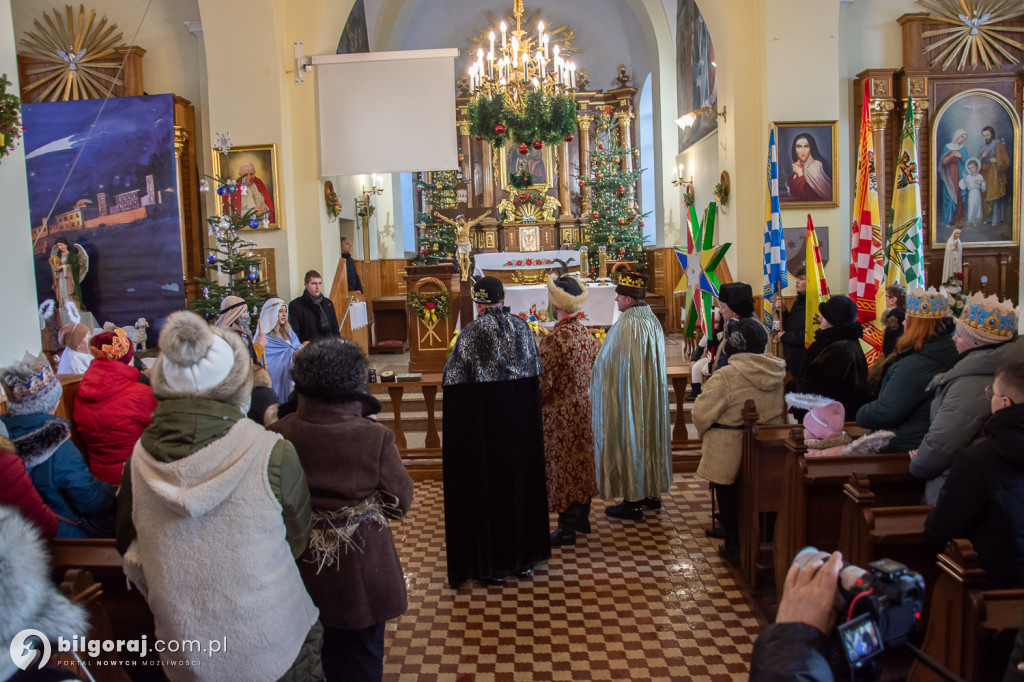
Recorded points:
636,600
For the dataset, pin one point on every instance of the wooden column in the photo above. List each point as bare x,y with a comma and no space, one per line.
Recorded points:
882,107
563,178
467,162
488,168
584,126
625,139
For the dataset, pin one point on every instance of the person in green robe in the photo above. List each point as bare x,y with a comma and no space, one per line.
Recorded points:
629,394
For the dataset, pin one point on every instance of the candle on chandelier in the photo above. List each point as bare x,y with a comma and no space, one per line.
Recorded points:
572,75
515,52
490,64
541,64
503,28
490,36
540,31
545,46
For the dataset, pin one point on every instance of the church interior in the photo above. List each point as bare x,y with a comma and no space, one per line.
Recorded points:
167,154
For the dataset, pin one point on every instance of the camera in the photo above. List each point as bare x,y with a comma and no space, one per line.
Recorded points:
876,608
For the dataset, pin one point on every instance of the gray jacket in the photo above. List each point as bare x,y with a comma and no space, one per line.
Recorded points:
959,411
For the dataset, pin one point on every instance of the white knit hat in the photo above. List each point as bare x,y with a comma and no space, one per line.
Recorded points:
200,361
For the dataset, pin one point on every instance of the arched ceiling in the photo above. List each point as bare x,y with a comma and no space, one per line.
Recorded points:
607,31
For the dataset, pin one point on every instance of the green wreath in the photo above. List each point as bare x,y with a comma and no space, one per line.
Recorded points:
10,118
430,307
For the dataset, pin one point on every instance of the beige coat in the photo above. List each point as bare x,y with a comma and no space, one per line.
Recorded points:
747,377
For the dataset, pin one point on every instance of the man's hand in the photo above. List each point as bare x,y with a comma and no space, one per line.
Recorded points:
912,453
810,592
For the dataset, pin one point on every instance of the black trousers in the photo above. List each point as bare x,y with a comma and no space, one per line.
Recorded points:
727,497
354,655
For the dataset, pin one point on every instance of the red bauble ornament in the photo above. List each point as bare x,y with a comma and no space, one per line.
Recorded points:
523,149
500,129
596,216
582,183
540,202
622,251
478,138
621,221
641,223
600,146
621,190
570,138
537,144
419,189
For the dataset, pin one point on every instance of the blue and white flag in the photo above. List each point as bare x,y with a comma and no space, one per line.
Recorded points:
774,243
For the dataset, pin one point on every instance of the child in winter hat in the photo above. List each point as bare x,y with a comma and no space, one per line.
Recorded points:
31,386
824,435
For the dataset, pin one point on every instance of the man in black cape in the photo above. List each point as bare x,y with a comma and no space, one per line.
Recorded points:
495,496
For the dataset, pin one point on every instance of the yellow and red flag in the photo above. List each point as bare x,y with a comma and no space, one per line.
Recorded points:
817,288
867,260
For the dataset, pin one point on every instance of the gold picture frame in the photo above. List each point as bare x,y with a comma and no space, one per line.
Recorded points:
263,158
972,111
538,162
823,137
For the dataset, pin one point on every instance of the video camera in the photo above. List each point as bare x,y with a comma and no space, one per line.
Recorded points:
875,608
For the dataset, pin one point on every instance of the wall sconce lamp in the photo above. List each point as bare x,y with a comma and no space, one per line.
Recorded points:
376,185
365,209
679,180
687,120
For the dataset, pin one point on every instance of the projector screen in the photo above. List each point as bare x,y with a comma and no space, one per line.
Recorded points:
387,112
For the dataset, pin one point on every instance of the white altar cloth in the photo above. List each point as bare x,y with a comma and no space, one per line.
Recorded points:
514,260
599,310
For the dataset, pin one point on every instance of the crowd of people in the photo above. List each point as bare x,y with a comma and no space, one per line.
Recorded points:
286,514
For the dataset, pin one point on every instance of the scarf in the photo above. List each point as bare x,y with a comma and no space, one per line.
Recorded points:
317,302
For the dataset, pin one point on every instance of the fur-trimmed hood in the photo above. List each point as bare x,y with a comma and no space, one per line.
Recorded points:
28,599
563,299
36,442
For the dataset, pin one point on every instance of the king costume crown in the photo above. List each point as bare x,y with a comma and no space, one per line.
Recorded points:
927,304
27,379
630,280
989,316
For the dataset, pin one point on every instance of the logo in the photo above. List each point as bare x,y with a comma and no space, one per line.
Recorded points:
23,652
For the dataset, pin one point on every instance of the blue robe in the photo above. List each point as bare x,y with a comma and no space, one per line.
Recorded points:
278,353
629,394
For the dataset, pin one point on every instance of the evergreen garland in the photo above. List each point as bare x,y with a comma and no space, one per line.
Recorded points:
547,119
10,118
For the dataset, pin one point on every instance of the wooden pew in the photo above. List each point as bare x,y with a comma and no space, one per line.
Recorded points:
79,586
813,493
970,629
127,610
760,492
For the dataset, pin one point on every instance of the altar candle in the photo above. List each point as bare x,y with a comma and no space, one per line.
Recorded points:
602,262
584,262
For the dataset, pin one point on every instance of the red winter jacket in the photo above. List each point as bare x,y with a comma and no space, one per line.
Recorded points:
111,411
16,490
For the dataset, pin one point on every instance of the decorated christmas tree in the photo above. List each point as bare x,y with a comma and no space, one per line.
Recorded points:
437,238
233,269
615,218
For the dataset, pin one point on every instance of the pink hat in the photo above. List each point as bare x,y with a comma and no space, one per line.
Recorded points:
825,421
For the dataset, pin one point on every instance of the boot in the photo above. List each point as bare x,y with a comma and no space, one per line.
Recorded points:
582,524
651,503
630,511
563,536
694,392
730,549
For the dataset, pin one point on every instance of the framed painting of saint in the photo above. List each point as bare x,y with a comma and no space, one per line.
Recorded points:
536,163
253,170
808,174
975,173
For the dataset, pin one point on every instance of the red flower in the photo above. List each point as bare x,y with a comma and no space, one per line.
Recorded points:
430,305
519,262
960,276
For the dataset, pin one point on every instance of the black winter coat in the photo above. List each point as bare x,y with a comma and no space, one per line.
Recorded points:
836,368
790,652
983,499
794,322
305,318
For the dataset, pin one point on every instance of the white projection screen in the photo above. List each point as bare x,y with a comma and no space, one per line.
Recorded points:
387,112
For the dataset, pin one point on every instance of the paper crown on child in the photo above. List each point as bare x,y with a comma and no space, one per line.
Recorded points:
30,385
927,304
988,319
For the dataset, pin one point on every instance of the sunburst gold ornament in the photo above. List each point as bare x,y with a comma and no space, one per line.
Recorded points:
974,34
75,48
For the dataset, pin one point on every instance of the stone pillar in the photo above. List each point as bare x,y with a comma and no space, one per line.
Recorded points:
584,126
488,174
467,165
563,178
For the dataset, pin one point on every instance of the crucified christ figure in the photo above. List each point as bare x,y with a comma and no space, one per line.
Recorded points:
462,245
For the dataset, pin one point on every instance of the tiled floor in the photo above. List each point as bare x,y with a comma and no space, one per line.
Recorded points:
634,600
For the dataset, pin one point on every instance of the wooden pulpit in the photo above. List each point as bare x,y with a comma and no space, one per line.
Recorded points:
342,300
429,336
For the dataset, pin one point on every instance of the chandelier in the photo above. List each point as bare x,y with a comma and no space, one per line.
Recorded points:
524,91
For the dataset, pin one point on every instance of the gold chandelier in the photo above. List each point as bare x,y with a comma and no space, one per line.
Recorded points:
524,90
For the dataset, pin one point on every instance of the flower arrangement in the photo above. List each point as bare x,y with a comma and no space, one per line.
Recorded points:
599,333
688,197
430,307
527,262
10,118
333,204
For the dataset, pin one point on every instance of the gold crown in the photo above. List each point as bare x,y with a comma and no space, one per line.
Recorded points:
633,281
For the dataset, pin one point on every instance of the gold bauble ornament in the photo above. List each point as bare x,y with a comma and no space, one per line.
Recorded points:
600,175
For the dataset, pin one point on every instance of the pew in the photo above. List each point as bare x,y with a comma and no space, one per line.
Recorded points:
422,462
760,492
813,494
128,615
970,629
80,587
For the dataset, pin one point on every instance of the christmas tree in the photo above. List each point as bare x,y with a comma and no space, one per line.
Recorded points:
437,238
615,218
233,268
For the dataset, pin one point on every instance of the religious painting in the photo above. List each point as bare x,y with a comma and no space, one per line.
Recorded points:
696,69
975,173
536,164
253,172
103,186
808,173
796,247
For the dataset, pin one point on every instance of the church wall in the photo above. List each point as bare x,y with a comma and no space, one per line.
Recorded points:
18,310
